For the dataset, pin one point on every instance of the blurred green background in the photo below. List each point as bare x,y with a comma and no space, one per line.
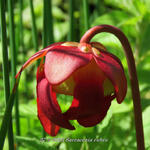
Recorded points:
117,129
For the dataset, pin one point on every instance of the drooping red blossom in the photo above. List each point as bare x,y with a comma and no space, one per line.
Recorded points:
86,71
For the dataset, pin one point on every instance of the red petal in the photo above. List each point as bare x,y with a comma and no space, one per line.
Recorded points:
48,126
37,56
113,69
88,101
62,61
91,120
49,105
40,72
88,92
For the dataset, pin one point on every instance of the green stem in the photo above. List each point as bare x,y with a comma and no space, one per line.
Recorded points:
86,14
7,115
50,32
21,25
34,29
98,7
71,21
44,36
5,76
13,58
48,37
22,45
12,39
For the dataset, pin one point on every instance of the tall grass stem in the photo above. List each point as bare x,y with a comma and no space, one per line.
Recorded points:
7,116
49,16
44,35
13,59
5,65
71,21
86,14
34,28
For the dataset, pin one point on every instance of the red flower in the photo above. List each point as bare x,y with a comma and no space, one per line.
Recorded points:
89,73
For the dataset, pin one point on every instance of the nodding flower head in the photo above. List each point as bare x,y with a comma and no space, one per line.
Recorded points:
86,71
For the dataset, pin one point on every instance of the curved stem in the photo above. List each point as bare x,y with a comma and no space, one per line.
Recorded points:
132,75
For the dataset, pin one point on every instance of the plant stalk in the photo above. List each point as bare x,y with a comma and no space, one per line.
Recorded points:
21,40
49,16
13,59
44,35
7,115
34,29
71,21
86,14
5,65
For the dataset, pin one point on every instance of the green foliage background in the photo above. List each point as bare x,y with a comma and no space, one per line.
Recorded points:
133,18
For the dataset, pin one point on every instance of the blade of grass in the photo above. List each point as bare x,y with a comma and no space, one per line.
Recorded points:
99,7
21,25
50,32
34,29
47,37
7,115
44,35
22,45
5,75
13,59
71,36
86,14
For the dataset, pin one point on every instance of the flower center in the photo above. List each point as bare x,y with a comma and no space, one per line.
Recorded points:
70,44
84,47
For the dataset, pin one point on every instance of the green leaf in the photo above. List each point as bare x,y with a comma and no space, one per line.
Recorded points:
58,13
114,17
144,37
126,5
146,122
60,30
28,109
123,108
